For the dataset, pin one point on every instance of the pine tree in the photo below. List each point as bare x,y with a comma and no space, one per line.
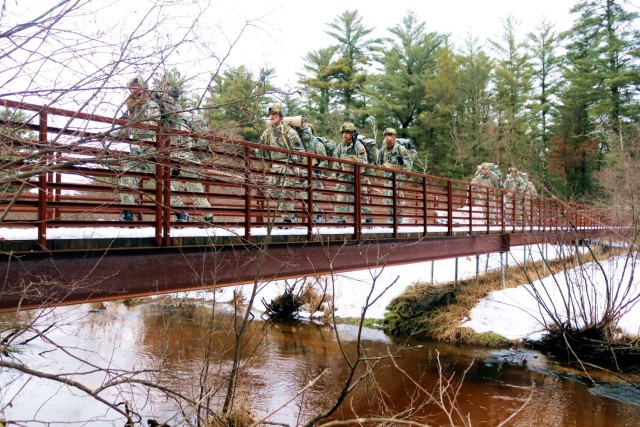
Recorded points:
408,63
355,51
543,44
446,153
613,36
600,96
316,80
476,120
512,80
237,102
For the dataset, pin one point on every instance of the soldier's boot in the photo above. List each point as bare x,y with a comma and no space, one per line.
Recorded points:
126,215
182,217
209,219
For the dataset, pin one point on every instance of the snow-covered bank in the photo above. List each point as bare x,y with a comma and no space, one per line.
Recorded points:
517,314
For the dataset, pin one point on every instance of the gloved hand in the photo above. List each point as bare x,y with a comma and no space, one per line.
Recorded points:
400,160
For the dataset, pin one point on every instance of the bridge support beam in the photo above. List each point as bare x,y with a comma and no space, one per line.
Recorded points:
32,280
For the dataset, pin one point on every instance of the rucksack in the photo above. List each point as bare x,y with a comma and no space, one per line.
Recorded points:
329,145
370,147
410,146
300,124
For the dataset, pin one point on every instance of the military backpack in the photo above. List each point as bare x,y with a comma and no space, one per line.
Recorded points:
410,146
329,145
301,126
370,147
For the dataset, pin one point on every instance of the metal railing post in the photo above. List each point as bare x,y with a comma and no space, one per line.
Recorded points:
163,186
357,197
449,208
394,185
470,198
488,209
42,186
247,194
425,216
310,203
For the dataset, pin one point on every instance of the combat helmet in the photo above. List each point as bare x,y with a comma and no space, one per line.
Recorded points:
275,109
347,127
137,81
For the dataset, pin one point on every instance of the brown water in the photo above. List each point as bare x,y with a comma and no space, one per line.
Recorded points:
279,360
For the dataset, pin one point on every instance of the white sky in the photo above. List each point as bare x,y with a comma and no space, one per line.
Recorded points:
295,28
280,34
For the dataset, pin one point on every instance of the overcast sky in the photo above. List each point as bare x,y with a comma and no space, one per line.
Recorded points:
280,34
291,29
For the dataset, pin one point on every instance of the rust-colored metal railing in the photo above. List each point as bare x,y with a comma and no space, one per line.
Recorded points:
79,169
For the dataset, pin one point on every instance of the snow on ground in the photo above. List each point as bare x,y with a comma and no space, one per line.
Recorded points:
516,314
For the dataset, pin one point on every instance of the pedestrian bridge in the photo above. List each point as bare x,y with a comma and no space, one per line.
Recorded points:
68,175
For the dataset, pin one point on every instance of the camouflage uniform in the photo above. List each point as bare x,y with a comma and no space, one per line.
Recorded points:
529,189
530,192
356,152
487,178
191,168
391,158
137,112
515,184
166,96
316,146
281,136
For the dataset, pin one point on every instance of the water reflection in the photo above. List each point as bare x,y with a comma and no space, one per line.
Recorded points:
174,343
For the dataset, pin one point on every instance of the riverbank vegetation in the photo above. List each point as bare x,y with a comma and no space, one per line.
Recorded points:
583,321
436,311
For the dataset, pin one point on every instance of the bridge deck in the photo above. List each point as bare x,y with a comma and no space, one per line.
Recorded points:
66,177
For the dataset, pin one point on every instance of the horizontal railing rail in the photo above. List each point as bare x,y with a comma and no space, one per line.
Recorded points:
87,169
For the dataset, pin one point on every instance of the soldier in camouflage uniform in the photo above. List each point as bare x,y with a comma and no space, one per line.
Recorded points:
349,149
137,112
515,184
191,167
316,146
278,135
530,192
166,96
529,189
487,178
393,156
197,124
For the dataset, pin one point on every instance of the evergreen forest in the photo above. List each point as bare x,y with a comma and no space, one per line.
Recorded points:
562,106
